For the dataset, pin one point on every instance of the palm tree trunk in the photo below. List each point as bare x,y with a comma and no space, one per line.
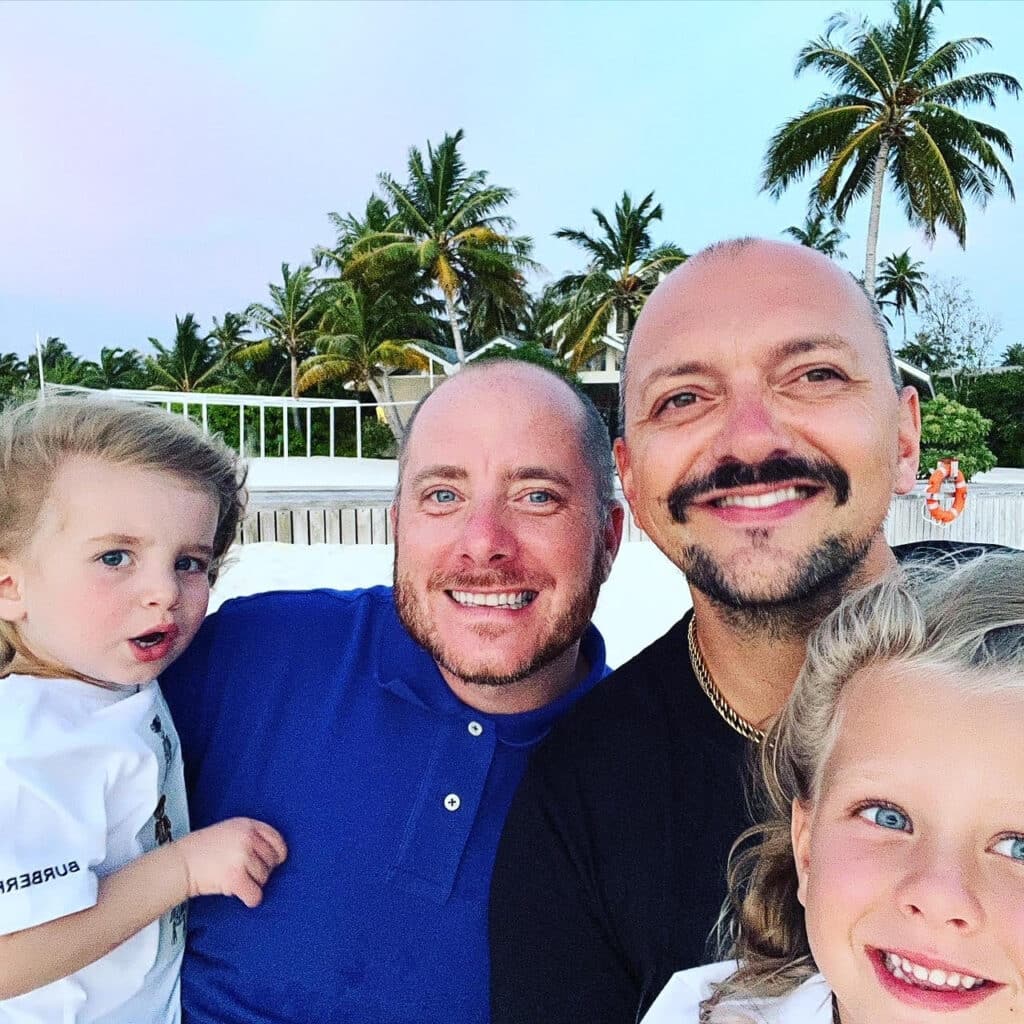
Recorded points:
453,321
381,391
876,210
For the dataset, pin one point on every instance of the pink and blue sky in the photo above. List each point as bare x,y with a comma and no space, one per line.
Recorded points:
164,158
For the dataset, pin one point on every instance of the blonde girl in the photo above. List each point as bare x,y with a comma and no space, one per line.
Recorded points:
114,519
887,881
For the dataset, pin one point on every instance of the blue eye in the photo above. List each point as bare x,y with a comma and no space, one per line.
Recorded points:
886,817
1011,846
114,559
539,497
443,496
681,400
189,564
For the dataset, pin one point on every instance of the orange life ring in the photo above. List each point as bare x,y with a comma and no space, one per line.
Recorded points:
946,469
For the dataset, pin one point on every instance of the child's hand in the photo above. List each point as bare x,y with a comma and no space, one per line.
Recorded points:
232,858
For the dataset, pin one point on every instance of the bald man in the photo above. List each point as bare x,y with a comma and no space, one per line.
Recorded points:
383,731
765,433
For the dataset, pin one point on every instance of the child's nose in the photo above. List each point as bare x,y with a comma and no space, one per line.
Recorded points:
938,889
162,589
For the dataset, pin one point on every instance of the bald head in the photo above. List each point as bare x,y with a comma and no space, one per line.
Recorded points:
511,389
720,281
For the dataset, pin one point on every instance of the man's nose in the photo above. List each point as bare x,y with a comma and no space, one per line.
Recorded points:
488,536
937,890
753,429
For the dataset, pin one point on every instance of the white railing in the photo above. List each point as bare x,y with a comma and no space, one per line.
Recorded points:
197,406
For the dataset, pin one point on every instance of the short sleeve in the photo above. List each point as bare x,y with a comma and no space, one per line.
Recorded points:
53,830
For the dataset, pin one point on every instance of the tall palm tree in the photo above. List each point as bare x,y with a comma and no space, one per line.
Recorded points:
116,368
365,335
189,363
895,115
820,232
624,268
289,325
903,279
448,234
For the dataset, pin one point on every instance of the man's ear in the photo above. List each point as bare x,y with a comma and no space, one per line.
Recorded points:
908,441
800,834
393,516
11,603
612,536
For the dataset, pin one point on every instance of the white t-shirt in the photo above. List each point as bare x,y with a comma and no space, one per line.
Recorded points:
90,779
679,1002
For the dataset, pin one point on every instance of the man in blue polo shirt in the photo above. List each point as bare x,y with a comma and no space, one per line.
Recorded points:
384,731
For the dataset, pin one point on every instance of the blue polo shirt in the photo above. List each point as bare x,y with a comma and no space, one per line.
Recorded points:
316,711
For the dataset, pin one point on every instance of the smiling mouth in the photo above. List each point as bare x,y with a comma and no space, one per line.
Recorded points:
512,599
934,979
766,500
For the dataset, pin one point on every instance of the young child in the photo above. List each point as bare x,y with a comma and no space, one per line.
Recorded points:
892,859
114,518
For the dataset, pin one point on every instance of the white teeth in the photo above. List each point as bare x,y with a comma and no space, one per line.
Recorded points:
762,500
512,599
905,970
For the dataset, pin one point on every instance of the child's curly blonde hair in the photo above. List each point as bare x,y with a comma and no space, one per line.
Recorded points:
38,437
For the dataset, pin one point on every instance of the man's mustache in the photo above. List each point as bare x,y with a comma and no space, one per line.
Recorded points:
495,579
777,470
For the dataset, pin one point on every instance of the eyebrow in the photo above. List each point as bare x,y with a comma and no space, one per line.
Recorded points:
443,472
439,471
129,541
784,350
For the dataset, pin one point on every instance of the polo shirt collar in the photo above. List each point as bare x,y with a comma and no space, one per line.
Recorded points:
407,670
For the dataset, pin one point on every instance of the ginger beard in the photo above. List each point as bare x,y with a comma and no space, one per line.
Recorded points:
479,665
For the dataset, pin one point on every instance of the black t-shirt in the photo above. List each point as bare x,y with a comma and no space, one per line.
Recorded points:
610,875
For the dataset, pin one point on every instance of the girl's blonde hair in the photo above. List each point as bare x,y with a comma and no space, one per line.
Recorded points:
964,617
38,437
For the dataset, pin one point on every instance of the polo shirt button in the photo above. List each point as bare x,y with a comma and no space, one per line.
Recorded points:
452,802
475,728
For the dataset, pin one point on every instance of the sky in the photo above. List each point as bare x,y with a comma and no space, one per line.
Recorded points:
163,158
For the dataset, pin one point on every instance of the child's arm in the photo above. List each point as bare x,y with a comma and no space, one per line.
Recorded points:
232,858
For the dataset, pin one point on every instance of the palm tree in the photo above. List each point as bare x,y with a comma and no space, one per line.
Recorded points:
895,114
820,232
902,278
1014,355
289,324
14,373
116,368
365,336
230,333
624,268
447,234
350,230
189,363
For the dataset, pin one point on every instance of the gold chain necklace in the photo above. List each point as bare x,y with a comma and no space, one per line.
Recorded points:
715,695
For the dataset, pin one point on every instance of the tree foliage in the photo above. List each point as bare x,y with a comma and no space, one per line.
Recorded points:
901,283
894,116
624,267
954,335
448,232
820,231
1000,398
949,429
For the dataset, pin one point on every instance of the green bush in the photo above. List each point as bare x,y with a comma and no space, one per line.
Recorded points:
949,429
1000,398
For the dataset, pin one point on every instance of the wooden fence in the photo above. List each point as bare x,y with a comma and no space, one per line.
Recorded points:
994,515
